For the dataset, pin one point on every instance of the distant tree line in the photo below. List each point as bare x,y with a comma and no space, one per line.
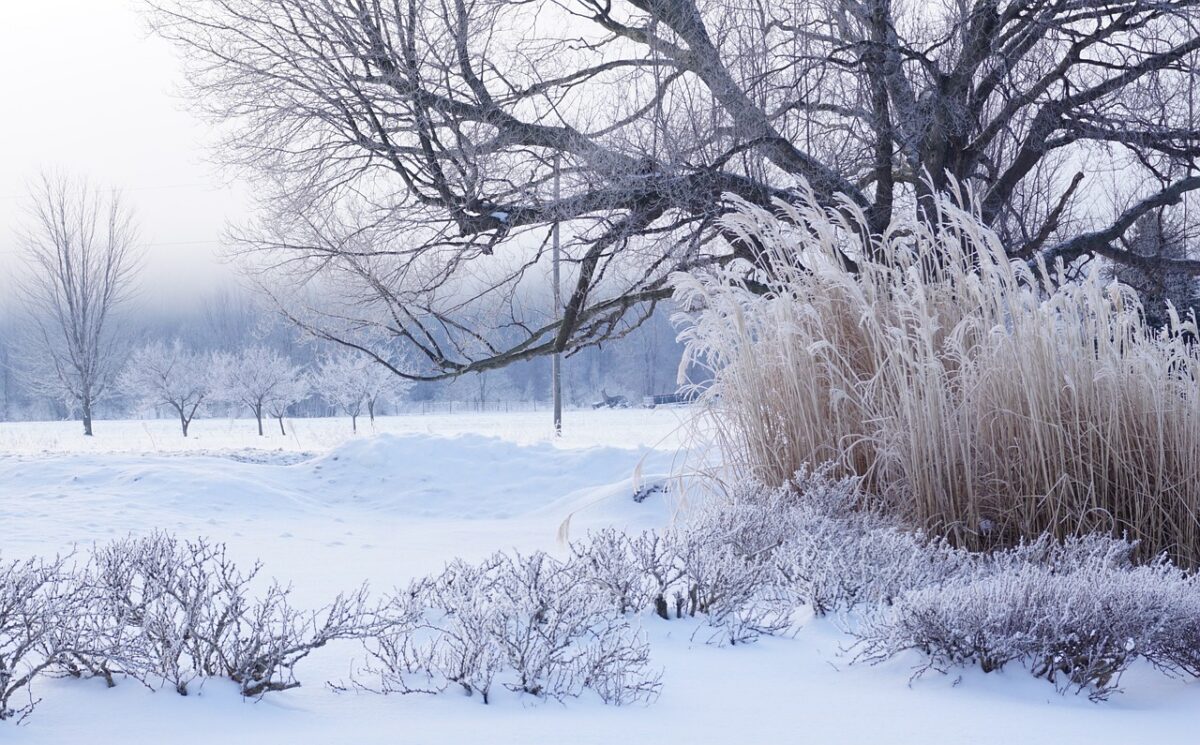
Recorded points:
228,354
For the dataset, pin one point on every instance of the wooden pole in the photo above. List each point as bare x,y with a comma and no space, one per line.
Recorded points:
556,360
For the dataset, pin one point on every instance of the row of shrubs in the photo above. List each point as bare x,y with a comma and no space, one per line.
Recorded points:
171,613
160,611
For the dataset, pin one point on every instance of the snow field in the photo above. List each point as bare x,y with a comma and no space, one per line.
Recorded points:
399,504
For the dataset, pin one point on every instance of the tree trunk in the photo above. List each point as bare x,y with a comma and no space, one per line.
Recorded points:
258,415
87,417
354,423
183,420
282,431
371,410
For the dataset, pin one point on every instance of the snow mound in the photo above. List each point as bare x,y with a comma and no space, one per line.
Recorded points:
467,476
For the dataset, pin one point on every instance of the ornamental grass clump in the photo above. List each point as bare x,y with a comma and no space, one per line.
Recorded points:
979,398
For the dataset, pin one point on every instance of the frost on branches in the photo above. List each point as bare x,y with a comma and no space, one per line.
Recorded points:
354,384
525,622
171,375
260,379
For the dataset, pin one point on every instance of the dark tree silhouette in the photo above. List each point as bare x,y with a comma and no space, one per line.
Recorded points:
406,150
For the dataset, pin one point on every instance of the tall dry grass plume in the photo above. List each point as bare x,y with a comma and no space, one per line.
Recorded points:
982,399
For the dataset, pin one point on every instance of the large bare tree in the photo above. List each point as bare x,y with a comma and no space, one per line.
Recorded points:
414,155
81,260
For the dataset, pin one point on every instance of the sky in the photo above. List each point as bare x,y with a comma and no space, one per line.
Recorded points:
87,90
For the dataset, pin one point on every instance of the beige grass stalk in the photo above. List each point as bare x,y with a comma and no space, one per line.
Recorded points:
978,398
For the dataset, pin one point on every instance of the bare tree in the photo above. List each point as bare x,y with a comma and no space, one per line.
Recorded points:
345,379
161,374
81,261
1156,235
412,146
282,399
382,385
258,378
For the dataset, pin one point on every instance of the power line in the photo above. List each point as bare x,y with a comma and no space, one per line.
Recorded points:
179,243
151,187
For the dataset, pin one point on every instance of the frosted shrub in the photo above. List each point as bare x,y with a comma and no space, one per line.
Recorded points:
730,590
841,564
462,649
619,567
169,612
744,562
715,568
554,634
654,557
261,650
823,544
526,621
38,600
978,398
161,601
1078,624
1091,551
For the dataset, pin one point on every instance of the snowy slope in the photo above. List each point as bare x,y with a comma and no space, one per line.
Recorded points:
389,507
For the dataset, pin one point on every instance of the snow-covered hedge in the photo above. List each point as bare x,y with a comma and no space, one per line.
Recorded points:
756,562
38,600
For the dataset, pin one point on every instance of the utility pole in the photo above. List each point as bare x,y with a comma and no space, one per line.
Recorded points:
556,360
1187,225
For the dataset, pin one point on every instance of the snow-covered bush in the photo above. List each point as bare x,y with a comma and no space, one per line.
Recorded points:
38,601
745,561
170,612
1079,624
823,544
627,570
686,572
981,399
522,620
262,648
176,598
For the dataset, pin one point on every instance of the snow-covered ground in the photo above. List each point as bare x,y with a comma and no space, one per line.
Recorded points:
326,511
664,427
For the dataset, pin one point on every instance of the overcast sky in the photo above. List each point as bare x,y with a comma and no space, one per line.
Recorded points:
87,90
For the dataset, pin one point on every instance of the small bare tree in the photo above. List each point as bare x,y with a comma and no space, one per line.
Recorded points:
343,379
291,392
381,385
256,378
161,374
81,260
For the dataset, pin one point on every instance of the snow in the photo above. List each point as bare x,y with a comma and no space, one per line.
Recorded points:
663,428
326,511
